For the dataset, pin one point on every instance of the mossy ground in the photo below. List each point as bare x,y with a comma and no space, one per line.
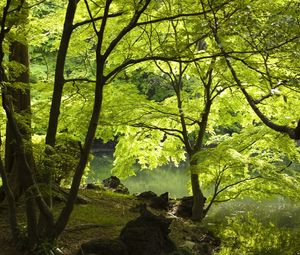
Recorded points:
271,228
103,217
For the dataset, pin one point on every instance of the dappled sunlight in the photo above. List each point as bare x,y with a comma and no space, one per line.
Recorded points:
248,227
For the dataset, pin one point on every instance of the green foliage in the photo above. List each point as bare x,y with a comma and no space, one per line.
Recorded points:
244,234
156,109
61,161
254,162
67,153
154,86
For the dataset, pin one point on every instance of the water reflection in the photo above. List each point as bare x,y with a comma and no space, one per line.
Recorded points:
168,178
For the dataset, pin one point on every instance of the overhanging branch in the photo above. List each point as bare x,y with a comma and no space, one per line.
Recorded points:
293,133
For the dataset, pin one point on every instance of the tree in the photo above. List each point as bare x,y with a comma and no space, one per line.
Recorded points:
158,121
131,19
20,92
111,36
274,52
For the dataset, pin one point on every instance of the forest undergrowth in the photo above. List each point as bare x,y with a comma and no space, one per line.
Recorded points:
245,227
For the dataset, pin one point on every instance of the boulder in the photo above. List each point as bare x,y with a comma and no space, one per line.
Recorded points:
103,247
112,182
146,195
93,186
183,208
161,202
147,235
157,202
121,189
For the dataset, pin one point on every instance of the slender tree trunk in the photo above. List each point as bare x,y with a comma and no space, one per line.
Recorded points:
59,72
98,98
198,210
31,188
19,156
59,82
56,97
3,78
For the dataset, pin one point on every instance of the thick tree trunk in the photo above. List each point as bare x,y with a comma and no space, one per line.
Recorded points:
21,103
10,201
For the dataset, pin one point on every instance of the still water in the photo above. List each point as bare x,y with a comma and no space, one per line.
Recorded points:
168,178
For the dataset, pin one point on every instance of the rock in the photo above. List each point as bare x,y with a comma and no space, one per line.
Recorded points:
103,247
93,186
112,182
146,195
194,238
184,207
58,251
161,202
189,245
121,189
147,235
157,202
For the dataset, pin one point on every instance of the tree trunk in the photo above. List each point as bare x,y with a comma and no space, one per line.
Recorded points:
198,210
98,98
21,103
59,82
12,215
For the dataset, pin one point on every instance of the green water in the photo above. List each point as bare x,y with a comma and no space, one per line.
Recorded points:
169,178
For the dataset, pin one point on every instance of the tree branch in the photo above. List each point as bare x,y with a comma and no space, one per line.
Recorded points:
126,29
279,128
169,131
80,79
182,15
93,20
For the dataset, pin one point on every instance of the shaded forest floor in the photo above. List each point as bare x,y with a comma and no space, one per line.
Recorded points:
103,217
244,227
